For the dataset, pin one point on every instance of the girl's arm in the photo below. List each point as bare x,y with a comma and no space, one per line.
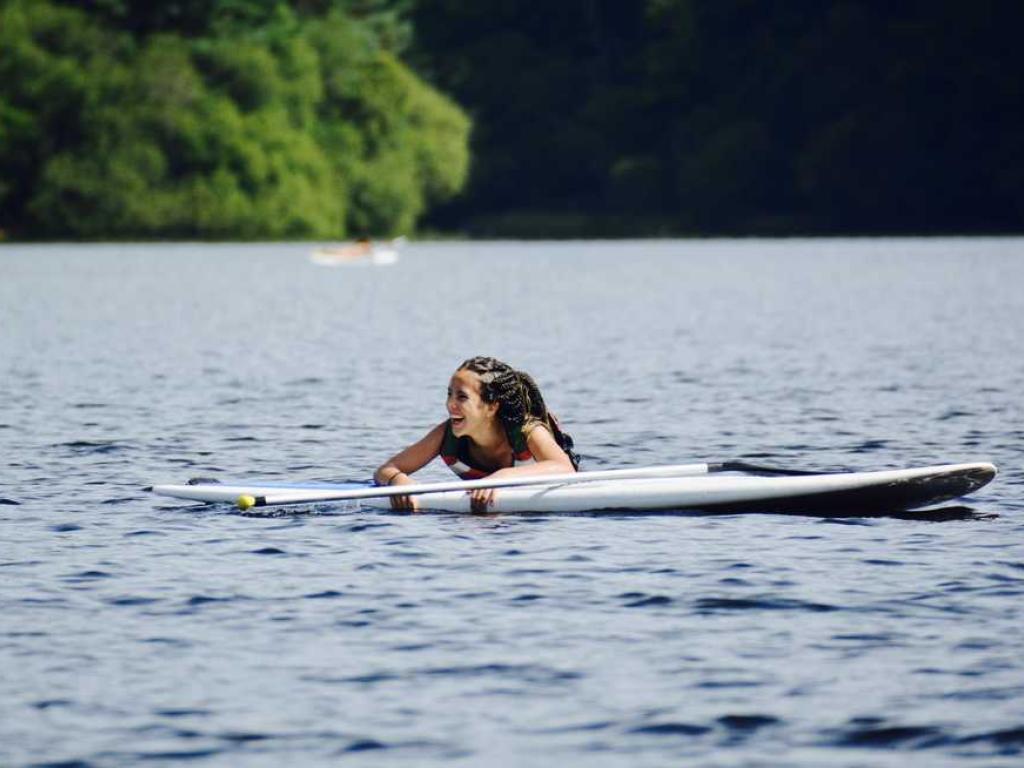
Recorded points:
549,459
396,470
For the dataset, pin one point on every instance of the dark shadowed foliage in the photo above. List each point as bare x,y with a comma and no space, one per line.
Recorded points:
731,116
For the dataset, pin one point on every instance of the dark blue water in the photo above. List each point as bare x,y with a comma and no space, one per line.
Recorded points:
137,630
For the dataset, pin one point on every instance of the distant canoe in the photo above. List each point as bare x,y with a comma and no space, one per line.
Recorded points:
378,253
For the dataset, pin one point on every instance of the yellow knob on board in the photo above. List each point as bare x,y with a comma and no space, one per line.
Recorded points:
246,502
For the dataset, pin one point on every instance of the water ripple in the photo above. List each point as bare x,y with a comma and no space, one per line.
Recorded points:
135,630
718,604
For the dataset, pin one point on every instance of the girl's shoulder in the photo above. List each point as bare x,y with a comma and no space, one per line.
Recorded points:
531,424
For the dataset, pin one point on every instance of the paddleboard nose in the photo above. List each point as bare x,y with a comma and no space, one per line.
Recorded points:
981,475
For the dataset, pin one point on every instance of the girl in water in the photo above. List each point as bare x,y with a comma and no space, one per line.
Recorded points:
497,426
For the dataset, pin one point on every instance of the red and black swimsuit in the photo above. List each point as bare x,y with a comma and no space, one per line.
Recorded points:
455,453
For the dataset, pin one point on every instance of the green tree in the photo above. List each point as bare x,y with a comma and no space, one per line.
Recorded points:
261,122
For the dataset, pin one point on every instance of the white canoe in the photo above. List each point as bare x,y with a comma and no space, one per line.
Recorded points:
840,494
380,253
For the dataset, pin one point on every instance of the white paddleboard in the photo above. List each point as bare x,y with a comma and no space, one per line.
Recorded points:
846,493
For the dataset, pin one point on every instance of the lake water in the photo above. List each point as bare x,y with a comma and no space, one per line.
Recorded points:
138,630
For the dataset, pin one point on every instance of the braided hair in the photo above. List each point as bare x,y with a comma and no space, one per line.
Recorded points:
519,400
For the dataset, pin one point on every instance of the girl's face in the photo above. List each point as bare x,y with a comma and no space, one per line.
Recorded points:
468,413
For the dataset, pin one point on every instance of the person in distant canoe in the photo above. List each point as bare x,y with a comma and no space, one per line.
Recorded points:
497,426
360,249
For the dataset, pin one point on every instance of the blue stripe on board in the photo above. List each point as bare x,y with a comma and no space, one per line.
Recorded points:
313,486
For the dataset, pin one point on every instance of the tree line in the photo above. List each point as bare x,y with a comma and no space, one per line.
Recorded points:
342,118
